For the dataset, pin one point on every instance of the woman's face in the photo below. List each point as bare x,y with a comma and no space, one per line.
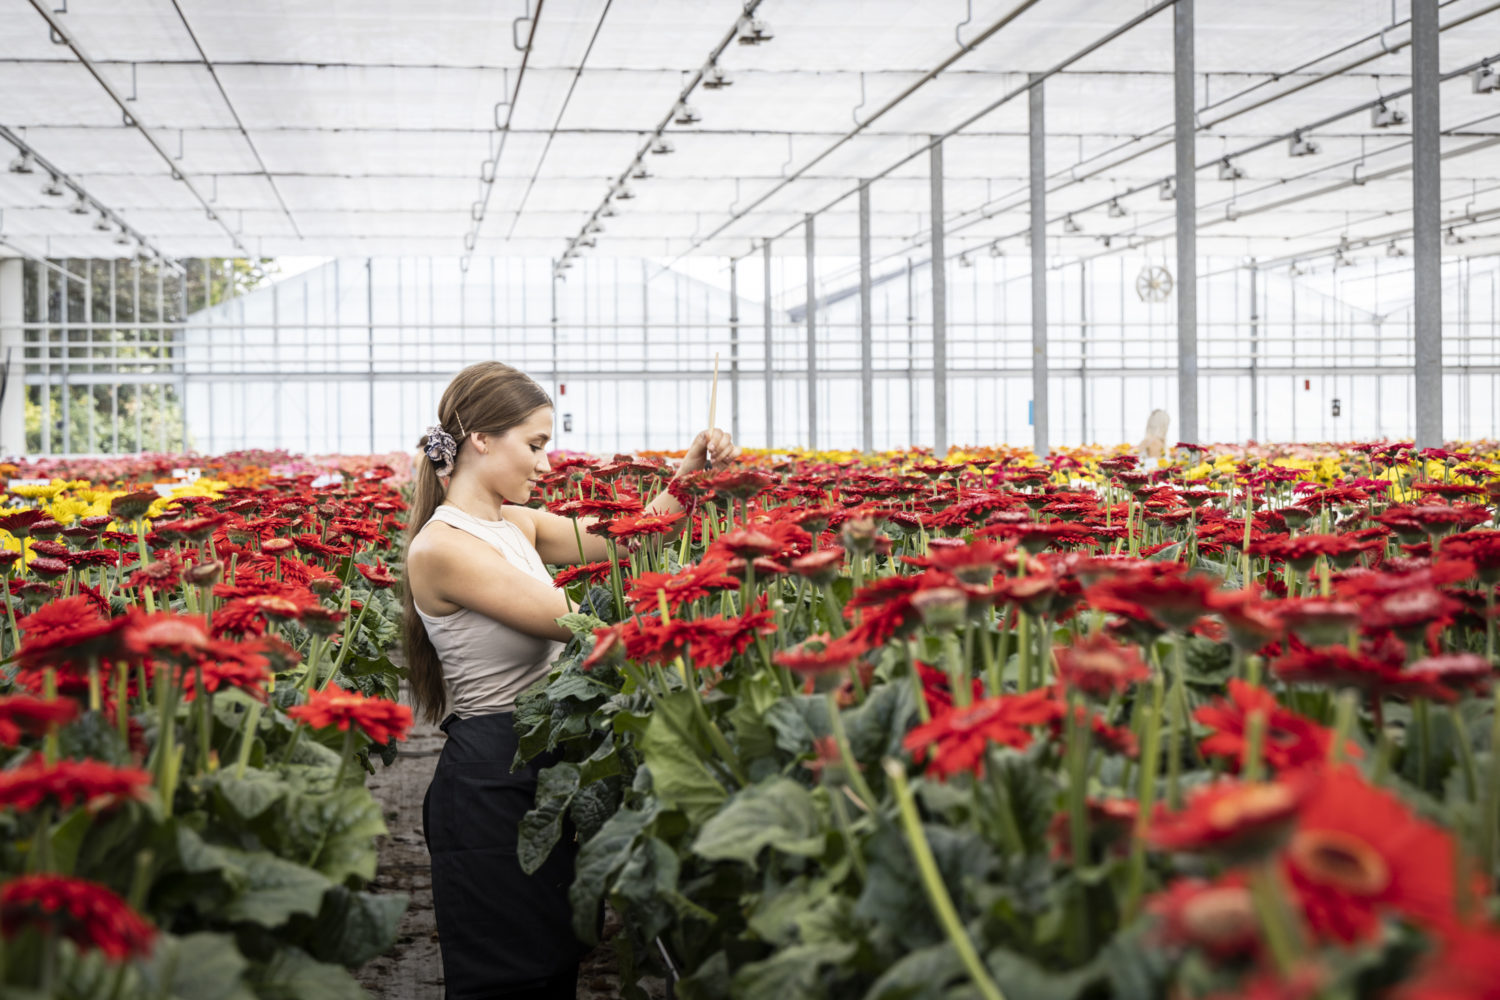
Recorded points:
510,463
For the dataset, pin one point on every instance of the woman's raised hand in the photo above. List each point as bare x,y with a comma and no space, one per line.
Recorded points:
713,449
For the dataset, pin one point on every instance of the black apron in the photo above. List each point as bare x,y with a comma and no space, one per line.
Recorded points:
503,933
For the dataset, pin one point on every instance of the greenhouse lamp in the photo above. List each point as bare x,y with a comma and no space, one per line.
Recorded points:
1486,80
1384,117
753,31
1166,191
1116,210
1298,146
1229,171
714,78
662,146
81,206
102,223
22,163
1070,226
686,114
52,189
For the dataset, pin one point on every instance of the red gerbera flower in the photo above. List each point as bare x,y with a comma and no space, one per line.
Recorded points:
1233,817
88,914
956,741
165,636
1290,740
593,572
716,639
66,631
644,525
1218,917
821,654
381,720
1099,667
22,714
378,574
68,782
1358,850
1172,599
937,688
689,584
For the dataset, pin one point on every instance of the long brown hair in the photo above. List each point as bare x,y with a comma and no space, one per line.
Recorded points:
489,397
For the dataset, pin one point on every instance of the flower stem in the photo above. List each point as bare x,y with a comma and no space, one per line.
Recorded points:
1150,752
937,892
852,772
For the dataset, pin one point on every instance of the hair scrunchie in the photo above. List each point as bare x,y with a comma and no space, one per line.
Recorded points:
441,449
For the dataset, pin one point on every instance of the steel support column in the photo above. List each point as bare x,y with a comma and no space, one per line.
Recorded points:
1037,132
812,337
939,310
734,350
866,339
1426,210
1254,349
770,359
1184,108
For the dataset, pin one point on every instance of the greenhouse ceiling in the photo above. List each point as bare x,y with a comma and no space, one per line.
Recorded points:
455,127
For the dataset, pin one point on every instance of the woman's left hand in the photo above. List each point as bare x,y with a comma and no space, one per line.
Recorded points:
714,445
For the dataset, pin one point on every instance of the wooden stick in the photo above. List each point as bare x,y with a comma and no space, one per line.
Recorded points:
713,393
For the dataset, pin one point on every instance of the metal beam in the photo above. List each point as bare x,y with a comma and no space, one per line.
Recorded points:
939,310
866,338
1037,135
809,255
1187,221
1426,210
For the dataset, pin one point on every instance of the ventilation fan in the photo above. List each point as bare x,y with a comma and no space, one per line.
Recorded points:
1153,284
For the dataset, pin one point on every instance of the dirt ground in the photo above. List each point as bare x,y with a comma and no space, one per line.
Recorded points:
413,968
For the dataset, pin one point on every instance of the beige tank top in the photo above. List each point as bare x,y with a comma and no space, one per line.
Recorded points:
487,664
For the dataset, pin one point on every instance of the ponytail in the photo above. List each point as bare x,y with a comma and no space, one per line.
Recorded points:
424,671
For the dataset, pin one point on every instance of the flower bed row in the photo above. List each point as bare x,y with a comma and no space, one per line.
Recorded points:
894,728
195,688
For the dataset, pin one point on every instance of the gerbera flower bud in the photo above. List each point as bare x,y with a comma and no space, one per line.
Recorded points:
858,534
48,568
204,574
820,567
941,607
132,506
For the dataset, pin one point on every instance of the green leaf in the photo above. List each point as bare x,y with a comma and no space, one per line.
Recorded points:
575,684
250,796
679,776
354,927
598,861
67,838
920,975
1018,976
594,803
276,889
542,826
604,762
646,888
199,966
779,813
581,624
335,831
877,727
792,973
754,697
292,974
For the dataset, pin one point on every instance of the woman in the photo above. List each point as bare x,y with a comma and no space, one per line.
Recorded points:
480,628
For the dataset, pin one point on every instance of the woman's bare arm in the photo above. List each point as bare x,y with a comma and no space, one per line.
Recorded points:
447,570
